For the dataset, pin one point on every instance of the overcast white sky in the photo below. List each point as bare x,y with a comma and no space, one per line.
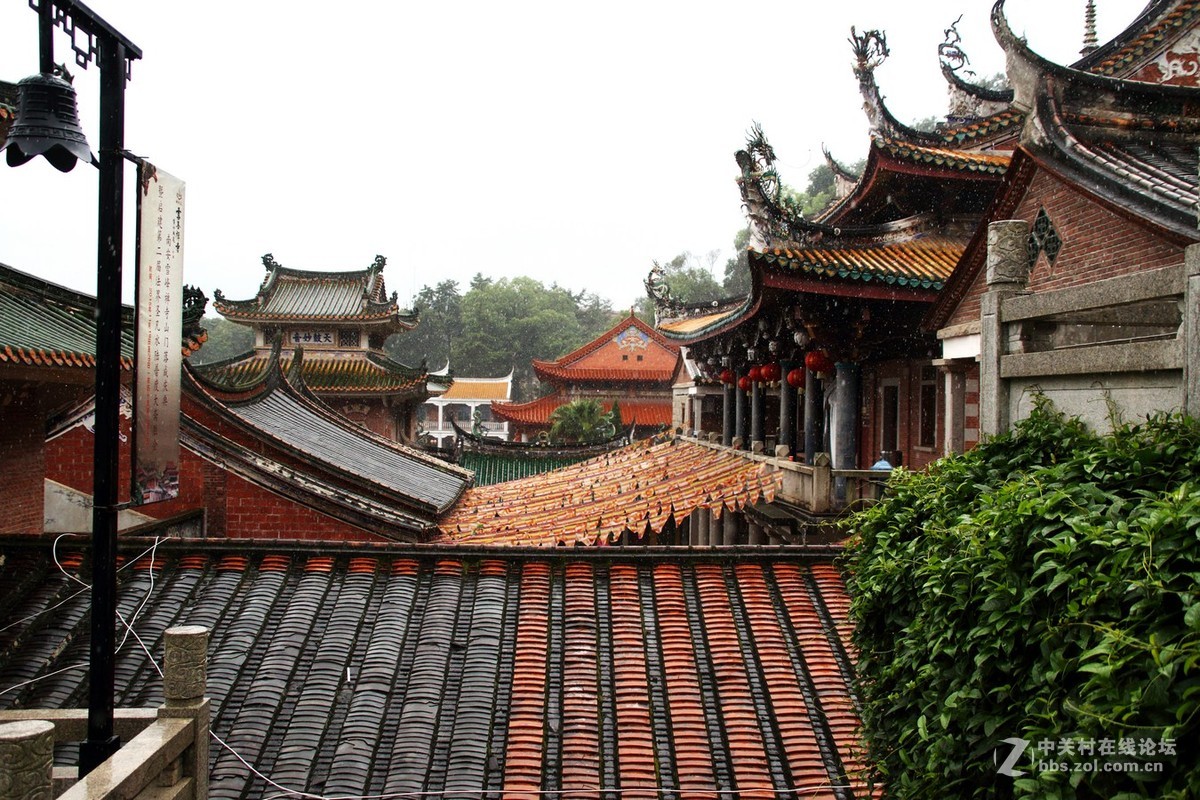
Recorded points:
574,143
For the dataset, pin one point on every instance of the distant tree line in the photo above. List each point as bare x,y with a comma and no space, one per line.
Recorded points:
498,325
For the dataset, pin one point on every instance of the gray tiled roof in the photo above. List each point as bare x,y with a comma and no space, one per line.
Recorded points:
366,670
298,424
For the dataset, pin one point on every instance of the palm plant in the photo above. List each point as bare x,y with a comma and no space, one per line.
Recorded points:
581,422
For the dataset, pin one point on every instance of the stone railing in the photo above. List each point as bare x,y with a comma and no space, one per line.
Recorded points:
165,756
818,488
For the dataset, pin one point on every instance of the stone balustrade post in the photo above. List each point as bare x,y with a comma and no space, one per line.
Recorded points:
27,760
185,677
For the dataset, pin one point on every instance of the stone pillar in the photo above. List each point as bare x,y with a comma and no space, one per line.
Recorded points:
757,535
729,527
814,400
739,430
756,412
1190,331
27,760
954,416
728,408
787,406
1007,274
845,455
846,452
705,519
185,675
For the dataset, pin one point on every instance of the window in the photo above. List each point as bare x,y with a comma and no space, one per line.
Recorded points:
640,358
1043,238
348,338
928,432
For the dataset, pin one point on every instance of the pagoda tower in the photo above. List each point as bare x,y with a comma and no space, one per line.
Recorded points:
339,321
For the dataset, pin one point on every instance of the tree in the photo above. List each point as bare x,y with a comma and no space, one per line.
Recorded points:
511,321
737,269
225,340
581,422
690,279
440,325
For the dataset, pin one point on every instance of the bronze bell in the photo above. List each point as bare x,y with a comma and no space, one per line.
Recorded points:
47,123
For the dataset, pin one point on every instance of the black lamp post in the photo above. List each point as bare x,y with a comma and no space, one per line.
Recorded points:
46,124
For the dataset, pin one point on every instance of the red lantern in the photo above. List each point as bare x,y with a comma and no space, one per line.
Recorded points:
726,376
754,374
744,383
771,372
795,378
818,361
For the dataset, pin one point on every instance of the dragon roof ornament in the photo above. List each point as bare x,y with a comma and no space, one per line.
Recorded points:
659,291
968,100
774,217
870,50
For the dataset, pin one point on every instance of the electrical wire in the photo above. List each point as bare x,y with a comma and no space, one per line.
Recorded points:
285,792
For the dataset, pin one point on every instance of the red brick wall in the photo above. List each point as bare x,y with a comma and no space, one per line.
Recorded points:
1097,243
234,507
22,458
907,377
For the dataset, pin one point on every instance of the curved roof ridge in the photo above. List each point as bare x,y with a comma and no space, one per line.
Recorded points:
1159,197
870,51
836,167
1150,25
975,90
1030,72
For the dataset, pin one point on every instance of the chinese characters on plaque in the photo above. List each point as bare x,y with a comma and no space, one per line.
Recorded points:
311,337
159,336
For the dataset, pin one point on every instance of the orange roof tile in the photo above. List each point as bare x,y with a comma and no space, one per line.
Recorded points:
479,389
595,501
923,263
984,162
643,411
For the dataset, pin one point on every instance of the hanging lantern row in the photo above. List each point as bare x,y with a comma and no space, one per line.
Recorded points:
816,360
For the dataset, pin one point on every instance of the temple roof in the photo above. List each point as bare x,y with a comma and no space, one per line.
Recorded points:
606,359
640,487
1128,145
364,373
46,325
377,479
1127,54
920,263
331,297
643,411
345,671
495,461
491,389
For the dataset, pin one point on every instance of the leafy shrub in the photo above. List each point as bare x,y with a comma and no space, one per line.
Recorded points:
1043,586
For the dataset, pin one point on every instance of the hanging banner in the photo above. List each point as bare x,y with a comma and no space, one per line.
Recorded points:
159,334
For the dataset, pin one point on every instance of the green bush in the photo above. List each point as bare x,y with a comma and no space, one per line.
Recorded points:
1043,586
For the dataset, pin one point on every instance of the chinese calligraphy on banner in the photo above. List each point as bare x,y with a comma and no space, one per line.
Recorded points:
159,334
